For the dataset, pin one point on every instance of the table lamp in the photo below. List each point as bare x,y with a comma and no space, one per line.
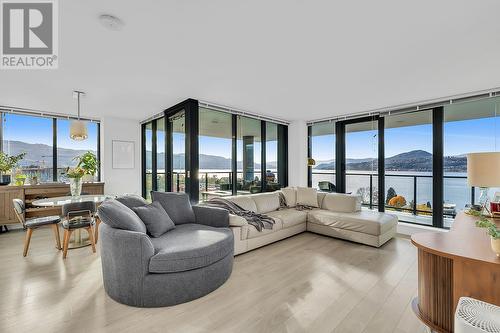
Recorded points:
483,171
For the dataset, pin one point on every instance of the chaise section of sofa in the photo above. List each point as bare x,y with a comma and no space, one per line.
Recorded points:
335,215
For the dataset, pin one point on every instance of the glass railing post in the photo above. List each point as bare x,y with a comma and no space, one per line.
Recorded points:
206,181
414,195
371,191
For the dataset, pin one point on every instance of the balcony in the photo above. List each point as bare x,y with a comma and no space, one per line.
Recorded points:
413,191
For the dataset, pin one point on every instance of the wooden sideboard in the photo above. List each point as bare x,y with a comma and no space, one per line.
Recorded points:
451,265
29,193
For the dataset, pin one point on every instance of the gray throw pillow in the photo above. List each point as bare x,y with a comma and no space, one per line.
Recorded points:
118,216
176,205
132,200
155,218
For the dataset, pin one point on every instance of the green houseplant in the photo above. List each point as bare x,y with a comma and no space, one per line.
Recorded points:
88,163
492,231
7,162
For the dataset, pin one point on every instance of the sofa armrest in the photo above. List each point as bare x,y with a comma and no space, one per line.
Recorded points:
237,221
211,216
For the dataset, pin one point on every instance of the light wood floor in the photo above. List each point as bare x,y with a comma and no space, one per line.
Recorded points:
307,283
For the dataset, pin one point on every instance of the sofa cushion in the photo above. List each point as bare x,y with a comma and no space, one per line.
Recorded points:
290,194
190,246
155,218
367,222
266,202
244,201
340,202
307,196
132,200
254,233
289,217
118,216
176,205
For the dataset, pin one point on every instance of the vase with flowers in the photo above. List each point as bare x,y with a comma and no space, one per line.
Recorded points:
75,180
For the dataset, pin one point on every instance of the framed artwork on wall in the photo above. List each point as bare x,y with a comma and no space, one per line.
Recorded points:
123,154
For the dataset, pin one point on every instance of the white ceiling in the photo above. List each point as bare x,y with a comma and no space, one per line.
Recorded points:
289,59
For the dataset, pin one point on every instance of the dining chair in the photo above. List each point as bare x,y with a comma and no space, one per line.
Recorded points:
34,223
78,215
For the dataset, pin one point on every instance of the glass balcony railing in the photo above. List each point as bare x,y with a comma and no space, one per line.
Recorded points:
409,195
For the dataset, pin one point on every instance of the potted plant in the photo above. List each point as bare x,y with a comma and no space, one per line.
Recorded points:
493,231
75,180
7,162
88,162
20,179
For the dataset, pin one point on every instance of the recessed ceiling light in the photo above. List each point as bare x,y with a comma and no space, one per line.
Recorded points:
111,22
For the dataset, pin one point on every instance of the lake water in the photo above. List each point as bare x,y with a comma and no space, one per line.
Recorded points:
456,190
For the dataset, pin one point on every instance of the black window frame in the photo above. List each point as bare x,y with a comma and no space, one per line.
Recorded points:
54,140
191,108
437,160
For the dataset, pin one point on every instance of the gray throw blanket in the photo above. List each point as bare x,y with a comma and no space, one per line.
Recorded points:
259,221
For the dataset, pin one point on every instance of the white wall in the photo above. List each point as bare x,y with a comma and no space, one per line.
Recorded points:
120,181
297,153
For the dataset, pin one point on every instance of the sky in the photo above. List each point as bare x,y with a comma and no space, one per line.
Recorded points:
39,130
460,137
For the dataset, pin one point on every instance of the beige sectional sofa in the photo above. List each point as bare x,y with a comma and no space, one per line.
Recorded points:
335,215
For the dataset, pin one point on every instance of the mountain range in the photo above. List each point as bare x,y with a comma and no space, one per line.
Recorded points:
207,162
40,154
415,160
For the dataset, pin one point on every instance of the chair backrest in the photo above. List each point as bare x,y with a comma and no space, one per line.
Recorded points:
86,208
327,186
19,209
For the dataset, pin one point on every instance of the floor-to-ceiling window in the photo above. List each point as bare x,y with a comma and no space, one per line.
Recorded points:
468,127
416,155
215,153
408,166
361,161
272,176
148,140
322,151
209,152
248,154
160,154
38,137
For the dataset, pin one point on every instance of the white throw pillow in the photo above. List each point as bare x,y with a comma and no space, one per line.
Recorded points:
344,203
290,194
307,196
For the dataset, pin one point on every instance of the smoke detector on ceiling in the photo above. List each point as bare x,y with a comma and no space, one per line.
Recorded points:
111,22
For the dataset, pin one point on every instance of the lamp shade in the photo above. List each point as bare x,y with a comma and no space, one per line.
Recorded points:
483,169
78,130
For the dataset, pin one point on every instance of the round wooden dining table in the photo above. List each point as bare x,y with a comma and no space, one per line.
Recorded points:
79,239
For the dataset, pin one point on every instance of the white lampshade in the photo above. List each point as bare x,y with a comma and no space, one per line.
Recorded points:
483,169
78,130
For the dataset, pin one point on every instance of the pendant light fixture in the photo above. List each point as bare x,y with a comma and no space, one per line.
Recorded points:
78,129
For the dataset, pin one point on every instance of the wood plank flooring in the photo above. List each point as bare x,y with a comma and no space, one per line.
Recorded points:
307,283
